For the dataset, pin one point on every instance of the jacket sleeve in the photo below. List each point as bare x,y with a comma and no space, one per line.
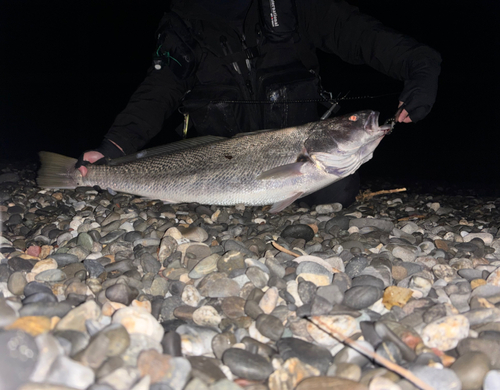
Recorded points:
155,99
339,28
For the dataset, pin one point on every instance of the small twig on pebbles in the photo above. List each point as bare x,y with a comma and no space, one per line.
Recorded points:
316,320
368,194
283,249
415,216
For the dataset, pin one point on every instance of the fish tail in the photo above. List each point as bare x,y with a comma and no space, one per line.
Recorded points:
57,171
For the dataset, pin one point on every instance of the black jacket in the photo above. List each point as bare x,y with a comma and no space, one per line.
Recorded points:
332,26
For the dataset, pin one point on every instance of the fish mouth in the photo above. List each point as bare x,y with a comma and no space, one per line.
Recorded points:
372,125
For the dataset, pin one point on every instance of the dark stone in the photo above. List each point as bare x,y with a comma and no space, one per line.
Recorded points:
48,309
41,297
270,326
332,293
355,266
94,268
254,346
381,224
309,353
112,236
298,231
307,291
150,264
340,221
206,369
121,293
360,297
368,280
320,306
247,365
18,264
5,272
168,306
171,344
36,287
390,351
63,259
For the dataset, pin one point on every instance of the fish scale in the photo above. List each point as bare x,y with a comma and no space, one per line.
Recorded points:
265,167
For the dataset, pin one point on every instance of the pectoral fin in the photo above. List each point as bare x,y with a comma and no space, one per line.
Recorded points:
338,165
282,172
277,207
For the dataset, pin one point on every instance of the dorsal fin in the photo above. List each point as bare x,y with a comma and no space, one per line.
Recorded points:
167,149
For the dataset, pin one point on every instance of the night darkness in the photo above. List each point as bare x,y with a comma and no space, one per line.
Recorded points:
68,68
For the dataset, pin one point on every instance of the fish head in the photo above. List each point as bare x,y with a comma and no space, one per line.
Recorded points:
341,144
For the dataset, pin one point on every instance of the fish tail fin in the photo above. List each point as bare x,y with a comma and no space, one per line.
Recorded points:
57,171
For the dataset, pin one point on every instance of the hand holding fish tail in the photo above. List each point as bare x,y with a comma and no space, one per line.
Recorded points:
107,149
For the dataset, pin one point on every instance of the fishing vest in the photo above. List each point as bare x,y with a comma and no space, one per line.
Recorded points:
243,76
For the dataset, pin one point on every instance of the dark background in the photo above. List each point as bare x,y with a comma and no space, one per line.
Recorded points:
68,68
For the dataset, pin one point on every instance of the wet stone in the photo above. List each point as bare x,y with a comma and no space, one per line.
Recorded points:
51,276
94,268
230,261
247,365
64,259
355,266
233,307
368,280
121,293
205,266
298,231
270,326
361,297
168,306
471,368
381,224
258,277
196,234
17,282
314,355
223,288
489,347
19,264
307,291
331,293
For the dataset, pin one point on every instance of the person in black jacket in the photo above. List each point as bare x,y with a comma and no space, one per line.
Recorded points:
215,58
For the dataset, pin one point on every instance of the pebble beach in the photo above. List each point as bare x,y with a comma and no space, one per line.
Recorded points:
116,292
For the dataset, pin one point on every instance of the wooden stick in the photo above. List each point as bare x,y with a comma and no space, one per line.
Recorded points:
368,194
414,216
283,249
371,354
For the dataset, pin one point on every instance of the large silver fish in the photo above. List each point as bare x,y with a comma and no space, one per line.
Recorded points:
260,168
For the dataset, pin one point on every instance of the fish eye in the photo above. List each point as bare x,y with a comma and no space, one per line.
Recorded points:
353,118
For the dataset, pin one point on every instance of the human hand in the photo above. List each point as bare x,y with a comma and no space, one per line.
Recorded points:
107,148
419,91
91,156
401,114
